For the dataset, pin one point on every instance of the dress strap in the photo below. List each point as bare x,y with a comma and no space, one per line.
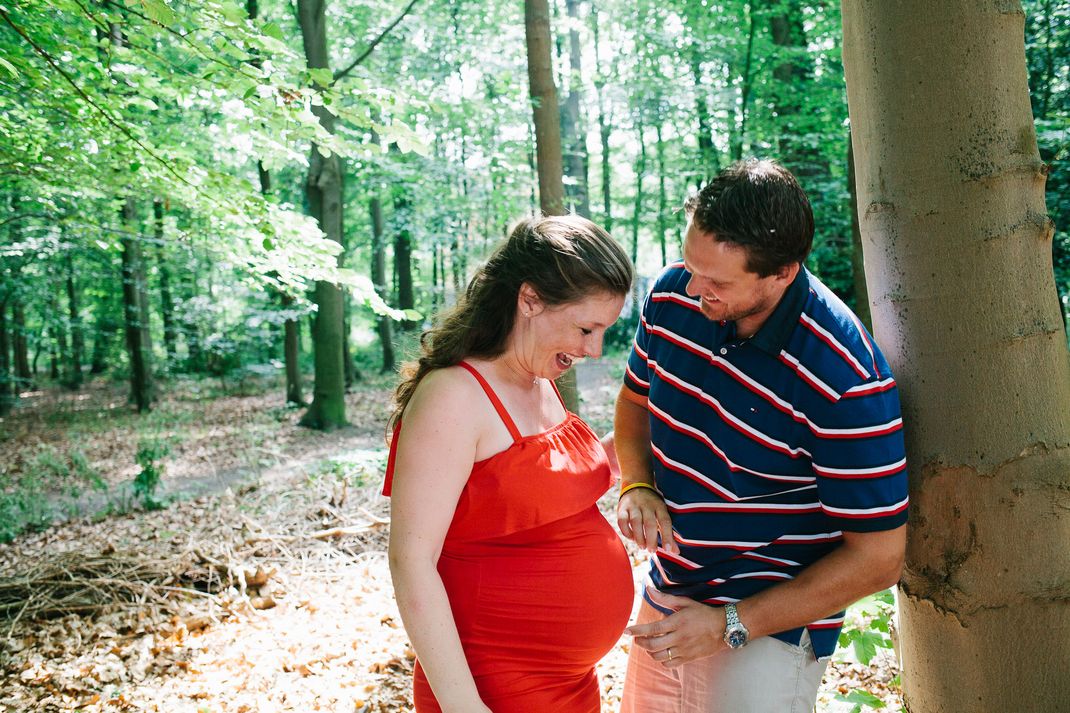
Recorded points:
495,401
559,396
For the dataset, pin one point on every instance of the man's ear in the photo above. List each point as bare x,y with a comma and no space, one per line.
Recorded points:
528,301
787,273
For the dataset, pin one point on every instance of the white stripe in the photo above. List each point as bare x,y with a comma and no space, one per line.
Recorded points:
675,559
700,435
839,348
811,538
890,467
676,507
752,575
816,381
674,297
728,416
712,484
786,563
717,543
870,386
865,511
666,334
826,622
771,396
635,378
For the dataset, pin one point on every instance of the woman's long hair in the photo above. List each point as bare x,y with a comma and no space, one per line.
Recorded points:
564,259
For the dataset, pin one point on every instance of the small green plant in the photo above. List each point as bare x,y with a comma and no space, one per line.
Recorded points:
356,468
867,631
150,452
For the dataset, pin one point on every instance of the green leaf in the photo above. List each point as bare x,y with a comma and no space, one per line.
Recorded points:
269,244
9,67
321,76
866,644
273,31
158,11
861,698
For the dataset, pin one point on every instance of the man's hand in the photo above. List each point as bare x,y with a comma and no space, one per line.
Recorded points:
692,632
641,515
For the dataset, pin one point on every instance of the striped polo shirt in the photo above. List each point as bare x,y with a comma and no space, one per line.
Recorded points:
766,449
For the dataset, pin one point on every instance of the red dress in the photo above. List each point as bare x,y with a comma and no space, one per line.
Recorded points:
539,583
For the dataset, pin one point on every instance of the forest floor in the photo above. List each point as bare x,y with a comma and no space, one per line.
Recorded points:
263,584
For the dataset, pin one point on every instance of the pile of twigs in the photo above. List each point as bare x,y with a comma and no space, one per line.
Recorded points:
80,582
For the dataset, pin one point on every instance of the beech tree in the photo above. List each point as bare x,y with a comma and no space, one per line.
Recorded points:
958,248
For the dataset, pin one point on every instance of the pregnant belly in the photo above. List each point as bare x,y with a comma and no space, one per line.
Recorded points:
556,597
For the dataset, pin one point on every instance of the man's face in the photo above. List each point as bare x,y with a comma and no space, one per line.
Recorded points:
726,288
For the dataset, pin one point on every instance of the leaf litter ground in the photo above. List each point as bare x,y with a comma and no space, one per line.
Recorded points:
267,592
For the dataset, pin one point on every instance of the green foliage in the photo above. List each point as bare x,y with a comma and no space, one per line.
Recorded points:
355,468
48,485
150,452
866,631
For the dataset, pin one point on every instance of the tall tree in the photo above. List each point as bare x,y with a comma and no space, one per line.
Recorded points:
141,387
573,126
547,138
951,195
323,190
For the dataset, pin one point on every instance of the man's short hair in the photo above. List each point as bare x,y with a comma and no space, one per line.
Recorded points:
758,205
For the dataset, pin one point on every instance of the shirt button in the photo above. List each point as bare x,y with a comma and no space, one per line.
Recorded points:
723,351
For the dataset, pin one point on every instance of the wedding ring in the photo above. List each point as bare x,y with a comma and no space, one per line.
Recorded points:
670,653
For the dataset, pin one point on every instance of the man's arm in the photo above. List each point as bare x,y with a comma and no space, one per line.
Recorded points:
864,563
641,513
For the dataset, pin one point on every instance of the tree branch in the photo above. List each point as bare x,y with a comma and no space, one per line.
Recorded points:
107,117
364,55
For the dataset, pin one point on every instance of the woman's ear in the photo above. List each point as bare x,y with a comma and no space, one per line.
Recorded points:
528,302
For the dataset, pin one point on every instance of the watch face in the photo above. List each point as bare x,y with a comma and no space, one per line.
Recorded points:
736,639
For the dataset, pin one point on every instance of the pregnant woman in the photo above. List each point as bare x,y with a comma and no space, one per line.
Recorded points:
510,582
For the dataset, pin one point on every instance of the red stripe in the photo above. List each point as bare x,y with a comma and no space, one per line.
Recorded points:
869,515
839,349
873,388
831,625
676,299
860,476
806,377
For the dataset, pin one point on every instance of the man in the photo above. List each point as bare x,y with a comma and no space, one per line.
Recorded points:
760,444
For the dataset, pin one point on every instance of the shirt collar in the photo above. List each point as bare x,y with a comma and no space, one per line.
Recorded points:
773,335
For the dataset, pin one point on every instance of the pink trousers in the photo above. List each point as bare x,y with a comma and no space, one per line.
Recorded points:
765,676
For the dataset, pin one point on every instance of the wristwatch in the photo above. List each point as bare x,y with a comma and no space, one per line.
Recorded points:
735,634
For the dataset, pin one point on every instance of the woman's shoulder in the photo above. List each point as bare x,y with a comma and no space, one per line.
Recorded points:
451,387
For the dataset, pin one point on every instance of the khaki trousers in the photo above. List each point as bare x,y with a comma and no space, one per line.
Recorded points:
765,676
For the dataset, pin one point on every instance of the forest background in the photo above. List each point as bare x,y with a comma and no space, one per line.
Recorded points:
187,185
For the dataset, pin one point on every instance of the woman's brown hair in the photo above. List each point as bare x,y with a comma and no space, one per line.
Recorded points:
563,258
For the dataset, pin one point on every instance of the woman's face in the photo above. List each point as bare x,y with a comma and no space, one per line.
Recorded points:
550,339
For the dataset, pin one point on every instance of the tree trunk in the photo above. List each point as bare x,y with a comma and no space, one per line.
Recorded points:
736,141
663,198
140,365
547,139
640,173
858,263
544,107
707,154
958,261
167,300
24,373
604,130
406,291
384,325
323,189
77,331
792,74
573,129
7,394
291,353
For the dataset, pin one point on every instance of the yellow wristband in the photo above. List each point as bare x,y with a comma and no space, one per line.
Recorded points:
633,486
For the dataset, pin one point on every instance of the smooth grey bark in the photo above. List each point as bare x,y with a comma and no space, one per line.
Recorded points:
958,248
